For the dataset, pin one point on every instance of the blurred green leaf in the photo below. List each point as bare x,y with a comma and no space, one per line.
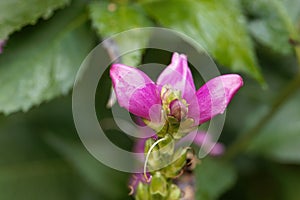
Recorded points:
41,62
210,23
213,178
274,22
36,180
29,170
109,182
288,179
110,19
280,140
15,14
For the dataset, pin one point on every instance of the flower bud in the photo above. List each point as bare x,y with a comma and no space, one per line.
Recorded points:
178,109
158,187
167,146
175,168
142,192
154,158
174,192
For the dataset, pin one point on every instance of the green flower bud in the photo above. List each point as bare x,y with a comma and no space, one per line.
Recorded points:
166,147
154,157
158,187
142,192
174,192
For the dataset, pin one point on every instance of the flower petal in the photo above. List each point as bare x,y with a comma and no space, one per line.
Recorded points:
178,75
216,94
203,140
135,91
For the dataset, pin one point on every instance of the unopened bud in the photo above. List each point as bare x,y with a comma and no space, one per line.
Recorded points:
158,187
174,192
142,192
175,168
178,109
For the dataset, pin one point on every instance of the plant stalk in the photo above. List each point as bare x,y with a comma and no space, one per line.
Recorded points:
245,139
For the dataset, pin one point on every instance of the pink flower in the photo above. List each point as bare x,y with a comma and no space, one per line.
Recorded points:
174,94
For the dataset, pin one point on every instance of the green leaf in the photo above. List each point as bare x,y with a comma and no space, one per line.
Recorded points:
28,167
41,62
288,179
274,23
210,23
110,19
109,182
15,14
280,140
213,178
36,180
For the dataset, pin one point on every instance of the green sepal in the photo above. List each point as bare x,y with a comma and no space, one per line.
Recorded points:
160,128
174,192
163,130
174,169
142,192
158,188
184,128
154,157
167,146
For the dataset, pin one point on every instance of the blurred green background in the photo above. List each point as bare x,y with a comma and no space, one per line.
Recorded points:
41,156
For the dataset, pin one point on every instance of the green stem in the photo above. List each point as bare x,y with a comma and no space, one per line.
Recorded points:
291,28
243,142
297,51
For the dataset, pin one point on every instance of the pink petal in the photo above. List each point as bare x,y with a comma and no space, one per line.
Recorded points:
217,150
178,75
135,91
216,94
203,140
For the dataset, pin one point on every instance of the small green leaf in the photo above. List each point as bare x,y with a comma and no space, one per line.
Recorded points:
41,62
280,139
110,19
15,14
213,178
221,32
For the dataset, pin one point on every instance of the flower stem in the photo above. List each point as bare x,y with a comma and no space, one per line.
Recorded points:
245,139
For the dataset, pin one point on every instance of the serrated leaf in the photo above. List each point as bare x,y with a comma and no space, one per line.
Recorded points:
109,182
213,178
110,19
210,23
41,62
274,22
280,140
14,14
